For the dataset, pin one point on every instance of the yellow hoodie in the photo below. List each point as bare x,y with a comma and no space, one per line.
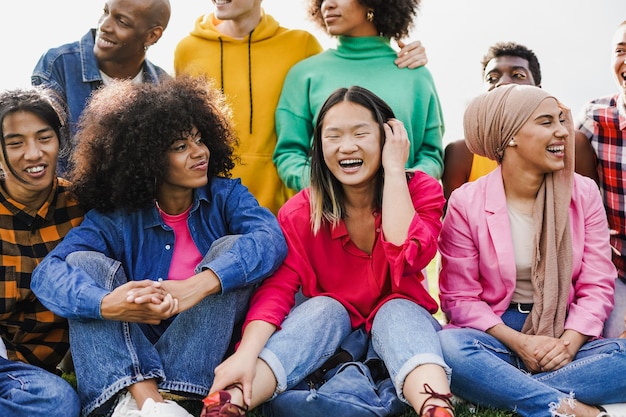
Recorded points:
250,72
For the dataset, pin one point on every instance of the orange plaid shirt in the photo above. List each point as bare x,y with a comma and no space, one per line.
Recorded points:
30,332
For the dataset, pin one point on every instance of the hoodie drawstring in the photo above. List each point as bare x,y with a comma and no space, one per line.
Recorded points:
250,75
249,72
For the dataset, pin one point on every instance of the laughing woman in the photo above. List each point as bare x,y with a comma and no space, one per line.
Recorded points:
158,275
527,277
358,239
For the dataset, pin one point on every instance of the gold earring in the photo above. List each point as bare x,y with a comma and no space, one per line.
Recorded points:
370,15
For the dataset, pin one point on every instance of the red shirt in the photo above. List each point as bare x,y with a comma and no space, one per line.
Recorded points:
603,121
330,264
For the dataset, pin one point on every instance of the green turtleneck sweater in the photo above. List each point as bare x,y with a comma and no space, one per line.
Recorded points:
369,63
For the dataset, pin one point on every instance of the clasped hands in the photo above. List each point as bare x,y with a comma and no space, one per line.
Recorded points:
143,301
150,301
545,353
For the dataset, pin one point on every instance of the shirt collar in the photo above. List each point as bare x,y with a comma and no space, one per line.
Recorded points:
153,218
19,210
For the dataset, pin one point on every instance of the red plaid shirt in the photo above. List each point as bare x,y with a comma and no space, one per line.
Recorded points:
30,332
603,121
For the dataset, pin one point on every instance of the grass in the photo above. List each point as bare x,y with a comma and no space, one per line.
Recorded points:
462,410
194,407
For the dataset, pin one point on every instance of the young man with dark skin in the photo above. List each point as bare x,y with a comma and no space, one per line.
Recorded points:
115,49
504,63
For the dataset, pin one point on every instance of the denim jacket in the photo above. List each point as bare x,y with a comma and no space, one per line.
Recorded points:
144,244
72,71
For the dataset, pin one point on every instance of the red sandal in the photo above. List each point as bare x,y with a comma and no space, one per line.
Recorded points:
218,404
431,410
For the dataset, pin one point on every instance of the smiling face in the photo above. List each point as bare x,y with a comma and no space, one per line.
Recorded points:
351,144
125,28
507,69
188,163
539,145
619,58
347,18
32,148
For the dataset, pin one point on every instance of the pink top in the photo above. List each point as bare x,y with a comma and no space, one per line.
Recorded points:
186,255
330,264
478,274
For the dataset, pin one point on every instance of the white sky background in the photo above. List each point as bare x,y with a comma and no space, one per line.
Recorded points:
572,39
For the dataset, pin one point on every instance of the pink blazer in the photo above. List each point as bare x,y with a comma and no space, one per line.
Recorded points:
477,277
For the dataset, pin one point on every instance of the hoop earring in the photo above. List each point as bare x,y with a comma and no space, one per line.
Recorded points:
370,15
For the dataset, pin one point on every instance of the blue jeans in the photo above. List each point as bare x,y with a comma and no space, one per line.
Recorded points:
485,372
404,335
310,334
614,325
112,355
27,391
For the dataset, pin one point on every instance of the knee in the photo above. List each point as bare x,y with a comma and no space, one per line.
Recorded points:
219,246
400,310
82,258
55,397
324,305
394,306
323,309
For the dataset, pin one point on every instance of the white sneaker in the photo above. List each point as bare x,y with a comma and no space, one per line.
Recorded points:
166,409
126,406
615,410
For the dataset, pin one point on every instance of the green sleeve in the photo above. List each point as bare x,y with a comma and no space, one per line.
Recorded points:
294,131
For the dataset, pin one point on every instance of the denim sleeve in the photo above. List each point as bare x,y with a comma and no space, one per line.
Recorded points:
68,291
261,247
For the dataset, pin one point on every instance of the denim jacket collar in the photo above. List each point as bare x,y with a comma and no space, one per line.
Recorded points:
154,219
89,64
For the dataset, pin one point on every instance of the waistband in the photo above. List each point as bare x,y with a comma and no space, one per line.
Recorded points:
521,307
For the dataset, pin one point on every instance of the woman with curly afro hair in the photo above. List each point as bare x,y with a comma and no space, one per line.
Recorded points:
363,57
157,278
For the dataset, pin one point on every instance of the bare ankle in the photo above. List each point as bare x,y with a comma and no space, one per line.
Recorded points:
143,390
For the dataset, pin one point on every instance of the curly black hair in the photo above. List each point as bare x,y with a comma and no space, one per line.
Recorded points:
41,101
392,18
514,49
125,133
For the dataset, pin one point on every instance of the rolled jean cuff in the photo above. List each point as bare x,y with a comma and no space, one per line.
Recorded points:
277,368
414,362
